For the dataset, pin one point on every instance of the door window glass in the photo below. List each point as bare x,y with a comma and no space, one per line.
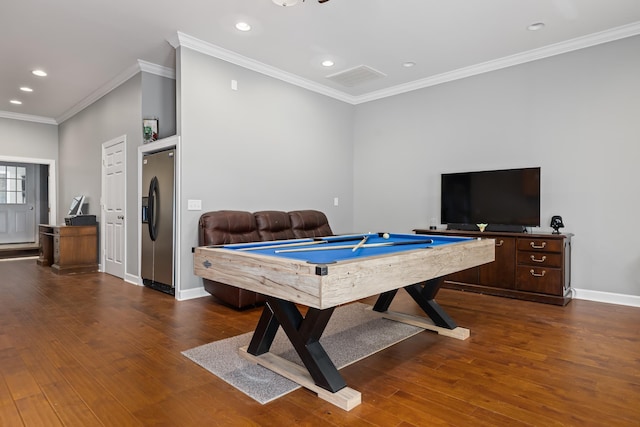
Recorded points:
13,184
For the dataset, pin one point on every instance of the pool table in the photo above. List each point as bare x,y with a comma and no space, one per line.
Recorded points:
322,273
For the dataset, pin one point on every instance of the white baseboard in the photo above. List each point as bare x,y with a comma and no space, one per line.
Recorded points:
192,293
180,296
134,280
608,297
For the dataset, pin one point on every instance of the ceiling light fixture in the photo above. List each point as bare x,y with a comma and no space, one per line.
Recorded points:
408,64
26,89
285,3
327,63
39,73
16,102
243,26
536,26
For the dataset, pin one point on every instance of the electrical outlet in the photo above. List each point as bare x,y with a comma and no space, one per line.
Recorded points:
194,205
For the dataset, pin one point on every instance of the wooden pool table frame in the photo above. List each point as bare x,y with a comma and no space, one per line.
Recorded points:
287,282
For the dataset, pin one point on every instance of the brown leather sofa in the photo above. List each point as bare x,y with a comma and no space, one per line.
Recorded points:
226,226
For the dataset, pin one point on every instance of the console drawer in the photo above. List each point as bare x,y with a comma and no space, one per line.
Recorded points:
540,245
540,259
539,279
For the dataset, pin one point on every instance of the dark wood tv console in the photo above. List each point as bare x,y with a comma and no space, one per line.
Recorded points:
533,267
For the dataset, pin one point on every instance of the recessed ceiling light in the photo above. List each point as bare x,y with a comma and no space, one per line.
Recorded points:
285,2
327,63
15,101
26,89
408,64
39,73
536,26
243,26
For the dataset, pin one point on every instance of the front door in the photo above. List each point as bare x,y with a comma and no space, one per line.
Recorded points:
114,192
17,203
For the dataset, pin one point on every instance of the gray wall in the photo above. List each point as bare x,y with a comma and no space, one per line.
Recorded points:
117,113
576,115
20,138
268,145
31,140
81,138
159,100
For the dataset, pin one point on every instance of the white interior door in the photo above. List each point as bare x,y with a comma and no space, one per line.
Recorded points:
17,203
113,202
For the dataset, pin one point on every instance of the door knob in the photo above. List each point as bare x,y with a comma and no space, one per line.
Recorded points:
120,216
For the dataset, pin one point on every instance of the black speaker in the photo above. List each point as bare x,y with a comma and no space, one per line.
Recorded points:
556,223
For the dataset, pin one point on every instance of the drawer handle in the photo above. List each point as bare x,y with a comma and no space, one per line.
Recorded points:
533,245
500,243
534,274
543,259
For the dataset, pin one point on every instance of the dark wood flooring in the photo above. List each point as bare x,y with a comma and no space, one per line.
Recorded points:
91,350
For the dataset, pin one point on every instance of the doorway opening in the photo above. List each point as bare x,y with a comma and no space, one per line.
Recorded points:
24,203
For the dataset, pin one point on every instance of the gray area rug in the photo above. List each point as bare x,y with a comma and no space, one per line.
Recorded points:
353,333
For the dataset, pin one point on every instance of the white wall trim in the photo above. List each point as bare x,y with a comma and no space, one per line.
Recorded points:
607,297
577,43
134,280
192,294
206,48
156,69
27,118
131,71
508,61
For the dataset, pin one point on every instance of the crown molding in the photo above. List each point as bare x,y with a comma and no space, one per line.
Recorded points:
139,66
185,40
158,70
27,118
508,61
181,39
633,29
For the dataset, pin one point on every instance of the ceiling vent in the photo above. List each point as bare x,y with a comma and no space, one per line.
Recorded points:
356,76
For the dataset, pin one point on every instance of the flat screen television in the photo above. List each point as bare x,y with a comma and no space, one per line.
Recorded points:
506,200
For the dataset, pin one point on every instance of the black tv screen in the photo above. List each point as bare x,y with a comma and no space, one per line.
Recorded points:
502,197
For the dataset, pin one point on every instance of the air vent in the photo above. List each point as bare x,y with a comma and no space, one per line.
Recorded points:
355,76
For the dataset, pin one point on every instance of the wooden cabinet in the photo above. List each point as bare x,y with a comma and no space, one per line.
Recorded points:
533,267
75,248
45,252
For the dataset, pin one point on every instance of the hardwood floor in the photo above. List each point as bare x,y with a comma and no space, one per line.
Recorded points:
91,350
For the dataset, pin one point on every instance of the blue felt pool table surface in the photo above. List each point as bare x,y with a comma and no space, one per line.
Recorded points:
317,254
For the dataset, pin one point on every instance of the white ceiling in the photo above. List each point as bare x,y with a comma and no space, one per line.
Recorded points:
86,44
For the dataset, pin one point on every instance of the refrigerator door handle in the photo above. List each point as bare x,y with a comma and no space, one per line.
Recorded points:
152,209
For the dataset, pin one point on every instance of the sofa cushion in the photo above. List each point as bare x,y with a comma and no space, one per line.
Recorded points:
223,227
309,223
273,225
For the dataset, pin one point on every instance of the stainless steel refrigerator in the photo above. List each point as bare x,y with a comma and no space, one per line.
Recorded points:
158,213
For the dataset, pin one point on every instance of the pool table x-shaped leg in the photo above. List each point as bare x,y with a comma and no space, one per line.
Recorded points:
305,332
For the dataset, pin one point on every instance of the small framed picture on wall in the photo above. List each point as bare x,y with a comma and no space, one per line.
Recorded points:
149,130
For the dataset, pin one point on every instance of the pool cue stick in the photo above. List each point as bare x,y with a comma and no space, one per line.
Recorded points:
359,245
282,245
367,245
317,240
